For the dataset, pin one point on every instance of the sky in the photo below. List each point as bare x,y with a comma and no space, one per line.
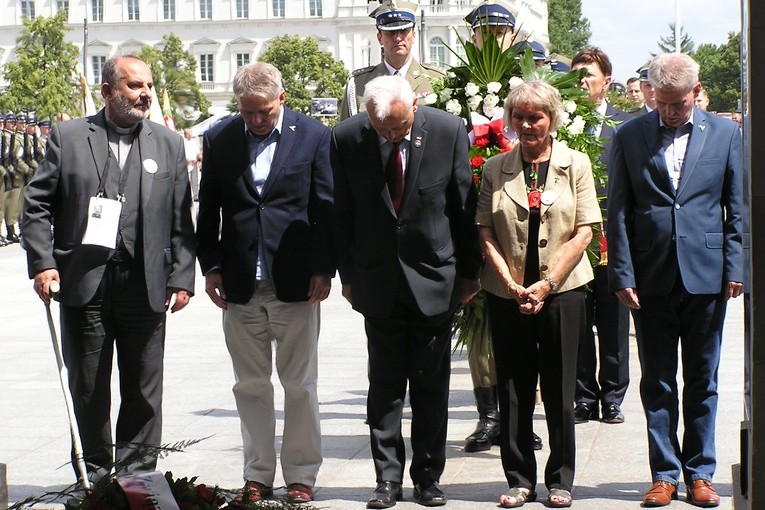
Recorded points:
628,31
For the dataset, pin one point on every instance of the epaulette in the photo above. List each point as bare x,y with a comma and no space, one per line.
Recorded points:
434,68
362,70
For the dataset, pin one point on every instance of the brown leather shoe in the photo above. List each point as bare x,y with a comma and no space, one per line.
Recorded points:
299,493
701,493
661,493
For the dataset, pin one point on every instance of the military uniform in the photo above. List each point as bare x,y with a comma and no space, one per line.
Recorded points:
418,75
8,156
13,142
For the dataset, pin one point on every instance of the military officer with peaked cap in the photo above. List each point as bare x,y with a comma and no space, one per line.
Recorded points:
395,22
492,18
3,173
648,94
538,52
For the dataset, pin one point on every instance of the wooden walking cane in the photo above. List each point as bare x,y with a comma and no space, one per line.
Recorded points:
73,428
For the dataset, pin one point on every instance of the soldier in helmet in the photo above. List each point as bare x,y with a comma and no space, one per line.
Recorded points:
395,33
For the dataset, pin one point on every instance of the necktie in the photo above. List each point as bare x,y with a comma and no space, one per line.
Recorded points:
394,175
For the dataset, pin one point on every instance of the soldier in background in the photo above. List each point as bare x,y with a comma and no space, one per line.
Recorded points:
21,170
3,173
395,33
491,19
10,156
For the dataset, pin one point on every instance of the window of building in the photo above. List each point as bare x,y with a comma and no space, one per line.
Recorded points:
168,9
98,62
97,10
62,5
206,67
133,10
242,59
315,8
437,5
205,9
28,9
243,9
437,51
277,7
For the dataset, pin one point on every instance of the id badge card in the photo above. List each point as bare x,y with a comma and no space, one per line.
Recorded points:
103,222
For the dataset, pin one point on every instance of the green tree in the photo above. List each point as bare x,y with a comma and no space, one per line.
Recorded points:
307,72
174,69
667,43
720,72
43,76
569,30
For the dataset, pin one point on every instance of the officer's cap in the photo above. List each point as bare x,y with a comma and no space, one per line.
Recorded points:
394,15
643,73
32,118
45,123
10,117
490,14
537,50
21,118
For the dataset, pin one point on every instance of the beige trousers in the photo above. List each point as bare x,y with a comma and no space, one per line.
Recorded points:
251,330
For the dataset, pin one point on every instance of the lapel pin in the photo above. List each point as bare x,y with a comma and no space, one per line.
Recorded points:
292,128
701,127
418,141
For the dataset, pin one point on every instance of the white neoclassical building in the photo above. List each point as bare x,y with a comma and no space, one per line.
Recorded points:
224,34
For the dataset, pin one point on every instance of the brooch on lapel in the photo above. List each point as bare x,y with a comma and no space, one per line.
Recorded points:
418,141
150,165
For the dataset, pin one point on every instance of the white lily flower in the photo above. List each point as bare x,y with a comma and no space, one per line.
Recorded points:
514,82
474,102
471,89
453,106
493,87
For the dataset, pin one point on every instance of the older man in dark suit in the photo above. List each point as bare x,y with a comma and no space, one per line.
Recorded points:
675,258
266,176
115,191
408,254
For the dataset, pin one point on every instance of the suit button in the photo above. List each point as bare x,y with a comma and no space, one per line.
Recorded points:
262,207
677,206
398,227
543,218
542,243
543,268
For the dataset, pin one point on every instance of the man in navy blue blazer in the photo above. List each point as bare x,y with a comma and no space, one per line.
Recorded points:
265,204
675,258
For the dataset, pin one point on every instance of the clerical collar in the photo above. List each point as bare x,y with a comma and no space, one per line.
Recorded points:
120,130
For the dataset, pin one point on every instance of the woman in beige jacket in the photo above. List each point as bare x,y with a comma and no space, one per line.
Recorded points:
535,214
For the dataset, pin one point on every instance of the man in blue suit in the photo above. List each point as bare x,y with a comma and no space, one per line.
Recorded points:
265,202
675,258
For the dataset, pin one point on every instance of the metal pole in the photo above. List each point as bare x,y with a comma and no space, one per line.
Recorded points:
85,47
423,36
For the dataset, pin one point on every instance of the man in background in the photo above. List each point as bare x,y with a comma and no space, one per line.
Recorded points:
395,20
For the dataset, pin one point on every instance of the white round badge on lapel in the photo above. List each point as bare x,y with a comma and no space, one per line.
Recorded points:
548,197
150,166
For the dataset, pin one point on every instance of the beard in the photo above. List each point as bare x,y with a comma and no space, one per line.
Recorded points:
128,112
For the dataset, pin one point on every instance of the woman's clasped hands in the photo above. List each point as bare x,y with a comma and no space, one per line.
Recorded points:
530,300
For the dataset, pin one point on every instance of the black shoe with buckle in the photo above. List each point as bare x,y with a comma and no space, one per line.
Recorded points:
584,412
612,413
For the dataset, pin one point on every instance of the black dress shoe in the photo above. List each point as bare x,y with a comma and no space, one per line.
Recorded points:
537,442
584,412
429,494
612,413
385,495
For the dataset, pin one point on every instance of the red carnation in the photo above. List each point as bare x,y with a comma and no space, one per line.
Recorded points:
477,161
535,198
476,180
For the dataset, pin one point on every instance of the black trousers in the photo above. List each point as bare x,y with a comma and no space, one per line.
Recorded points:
526,347
612,321
408,347
118,316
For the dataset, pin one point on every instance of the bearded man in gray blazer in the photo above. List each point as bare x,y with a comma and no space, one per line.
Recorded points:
114,189
408,254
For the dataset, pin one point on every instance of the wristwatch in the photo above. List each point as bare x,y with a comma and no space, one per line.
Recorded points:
553,285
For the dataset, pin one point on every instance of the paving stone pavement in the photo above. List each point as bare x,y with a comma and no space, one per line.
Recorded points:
612,471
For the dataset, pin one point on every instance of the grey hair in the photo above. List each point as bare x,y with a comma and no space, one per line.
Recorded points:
381,92
110,74
673,71
539,94
258,79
